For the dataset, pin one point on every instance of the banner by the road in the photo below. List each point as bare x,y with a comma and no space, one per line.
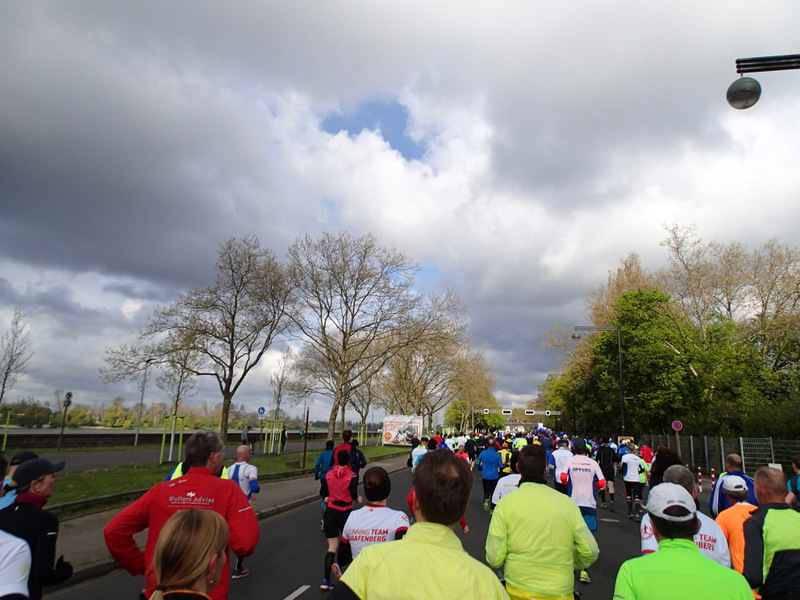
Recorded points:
399,429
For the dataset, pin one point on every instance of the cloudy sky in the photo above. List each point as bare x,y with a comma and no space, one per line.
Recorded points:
515,149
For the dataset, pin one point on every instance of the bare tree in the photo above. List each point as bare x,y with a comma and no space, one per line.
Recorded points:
227,326
356,306
14,355
177,376
280,381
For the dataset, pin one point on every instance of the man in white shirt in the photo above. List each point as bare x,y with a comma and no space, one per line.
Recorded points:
634,476
582,476
246,475
507,483
710,538
418,452
375,522
559,459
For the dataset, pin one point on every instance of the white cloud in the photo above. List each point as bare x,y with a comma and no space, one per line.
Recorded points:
559,138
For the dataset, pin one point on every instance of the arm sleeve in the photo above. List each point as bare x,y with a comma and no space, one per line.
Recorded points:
242,522
119,535
43,557
496,539
354,487
753,569
323,490
648,538
623,590
318,467
712,501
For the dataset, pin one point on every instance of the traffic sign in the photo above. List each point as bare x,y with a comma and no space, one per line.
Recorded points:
261,410
529,412
506,411
486,411
677,425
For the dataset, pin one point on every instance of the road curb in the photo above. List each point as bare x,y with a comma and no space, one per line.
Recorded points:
104,567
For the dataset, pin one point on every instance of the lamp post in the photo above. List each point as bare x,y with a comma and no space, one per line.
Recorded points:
577,336
141,403
745,91
67,404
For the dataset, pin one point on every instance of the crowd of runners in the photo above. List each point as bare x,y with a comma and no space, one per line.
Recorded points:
542,492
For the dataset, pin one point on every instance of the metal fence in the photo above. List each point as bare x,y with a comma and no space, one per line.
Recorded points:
708,452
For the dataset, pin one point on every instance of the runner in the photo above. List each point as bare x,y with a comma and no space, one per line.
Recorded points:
558,461
341,490
375,522
246,477
490,463
582,476
606,459
634,474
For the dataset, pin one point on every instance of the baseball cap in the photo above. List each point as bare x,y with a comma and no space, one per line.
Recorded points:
734,483
666,495
562,442
32,469
21,457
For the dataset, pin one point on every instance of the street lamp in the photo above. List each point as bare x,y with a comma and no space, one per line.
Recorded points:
141,402
745,91
577,336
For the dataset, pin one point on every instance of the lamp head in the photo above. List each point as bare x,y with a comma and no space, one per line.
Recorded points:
744,93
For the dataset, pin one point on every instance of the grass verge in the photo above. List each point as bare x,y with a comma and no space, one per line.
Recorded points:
97,483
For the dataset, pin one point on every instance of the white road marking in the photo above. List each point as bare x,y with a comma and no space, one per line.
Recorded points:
297,592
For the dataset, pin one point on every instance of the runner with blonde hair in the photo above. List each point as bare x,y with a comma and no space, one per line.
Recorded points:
190,555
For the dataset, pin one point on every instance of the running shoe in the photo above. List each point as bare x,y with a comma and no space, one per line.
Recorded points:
486,505
325,585
603,505
239,573
584,578
336,572
611,506
322,525
637,518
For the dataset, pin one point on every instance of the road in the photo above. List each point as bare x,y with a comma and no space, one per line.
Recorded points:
289,560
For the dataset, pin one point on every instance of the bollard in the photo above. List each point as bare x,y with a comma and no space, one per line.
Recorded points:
713,478
699,480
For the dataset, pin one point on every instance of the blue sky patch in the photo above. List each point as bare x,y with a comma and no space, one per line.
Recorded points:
390,117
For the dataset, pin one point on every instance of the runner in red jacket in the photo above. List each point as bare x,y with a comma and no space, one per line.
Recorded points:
199,488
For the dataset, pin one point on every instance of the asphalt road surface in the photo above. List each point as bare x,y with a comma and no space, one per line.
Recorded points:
288,562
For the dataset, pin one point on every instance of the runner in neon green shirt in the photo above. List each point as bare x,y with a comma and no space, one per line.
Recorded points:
677,570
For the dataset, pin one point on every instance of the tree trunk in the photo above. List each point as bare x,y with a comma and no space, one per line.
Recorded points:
223,424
